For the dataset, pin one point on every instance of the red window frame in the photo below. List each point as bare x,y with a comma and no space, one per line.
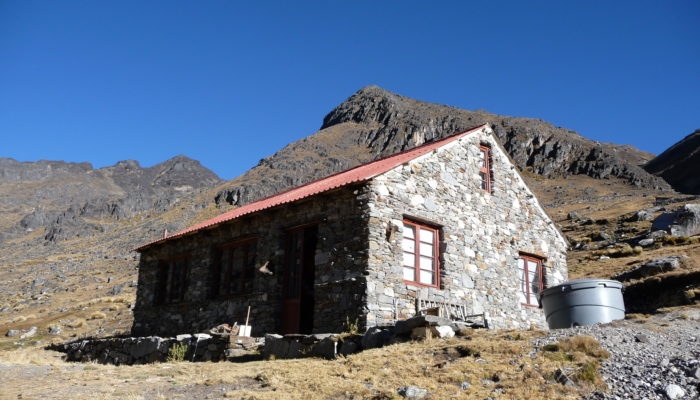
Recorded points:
485,168
525,286
172,280
228,281
435,256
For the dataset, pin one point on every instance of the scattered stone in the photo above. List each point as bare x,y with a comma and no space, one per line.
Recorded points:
465,385
694,373
641,215
13,332
641,338
55,330
645,242
31,332
412,392
573,215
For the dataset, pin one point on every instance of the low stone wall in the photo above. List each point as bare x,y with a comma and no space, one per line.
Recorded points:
143,350
330,346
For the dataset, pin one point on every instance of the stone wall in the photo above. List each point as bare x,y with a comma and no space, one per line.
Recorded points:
340,257
144,350
481,235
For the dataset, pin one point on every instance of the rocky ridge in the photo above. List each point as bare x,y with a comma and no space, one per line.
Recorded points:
374,123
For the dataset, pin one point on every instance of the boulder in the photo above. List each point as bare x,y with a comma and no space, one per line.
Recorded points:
406,326
13,332
673,391
412,392
685,221
375,337
653,267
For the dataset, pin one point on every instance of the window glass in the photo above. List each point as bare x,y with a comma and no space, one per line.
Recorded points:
426,277
419,247
426,236
409,274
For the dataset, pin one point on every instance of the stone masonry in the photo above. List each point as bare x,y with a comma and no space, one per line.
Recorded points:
481,235
358,256
340,260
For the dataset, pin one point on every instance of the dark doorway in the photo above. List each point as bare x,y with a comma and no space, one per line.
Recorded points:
298,289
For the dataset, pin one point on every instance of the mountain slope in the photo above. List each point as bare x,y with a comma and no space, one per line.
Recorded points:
374,123
679,165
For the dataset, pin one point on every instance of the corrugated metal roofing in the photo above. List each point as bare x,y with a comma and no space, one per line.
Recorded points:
356,174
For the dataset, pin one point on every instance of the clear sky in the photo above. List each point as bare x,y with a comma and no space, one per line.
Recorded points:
230,82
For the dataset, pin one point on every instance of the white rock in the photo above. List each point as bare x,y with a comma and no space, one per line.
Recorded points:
443,331
674,391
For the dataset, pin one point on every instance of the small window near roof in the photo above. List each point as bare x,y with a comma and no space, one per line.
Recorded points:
531,277
485,167
419,246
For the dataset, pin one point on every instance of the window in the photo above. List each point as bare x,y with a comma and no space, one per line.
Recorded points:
420,254
172,280
531,276
234,266
485,168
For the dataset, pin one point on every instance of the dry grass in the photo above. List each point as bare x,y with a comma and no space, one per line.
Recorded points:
496,364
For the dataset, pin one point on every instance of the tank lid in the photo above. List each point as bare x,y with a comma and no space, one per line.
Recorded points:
582,284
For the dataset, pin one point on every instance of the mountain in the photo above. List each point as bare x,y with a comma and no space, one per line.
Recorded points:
67,198
374,123
679,165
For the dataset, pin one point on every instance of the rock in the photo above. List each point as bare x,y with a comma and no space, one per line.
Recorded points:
233,353
641,338
465,385
645,242
348,347
653,267
561,377
684,221
406,326
54,330
573,215
201,336
326,348
375,337
412,392
184,337
694,373
144,346
674,391
31,332
13,332
443,331
641,215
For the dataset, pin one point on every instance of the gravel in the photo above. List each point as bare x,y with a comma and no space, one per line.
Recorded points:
655,358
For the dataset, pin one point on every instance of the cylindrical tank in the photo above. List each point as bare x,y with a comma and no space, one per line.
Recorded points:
582,302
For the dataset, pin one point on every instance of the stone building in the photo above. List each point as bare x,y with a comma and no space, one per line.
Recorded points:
450,221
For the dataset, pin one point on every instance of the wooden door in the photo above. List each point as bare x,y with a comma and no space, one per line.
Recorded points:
298,288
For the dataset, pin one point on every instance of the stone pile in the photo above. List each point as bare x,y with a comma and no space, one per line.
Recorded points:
328,345
657,359
142,350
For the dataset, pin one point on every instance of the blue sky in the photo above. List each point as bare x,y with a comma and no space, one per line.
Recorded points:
229,82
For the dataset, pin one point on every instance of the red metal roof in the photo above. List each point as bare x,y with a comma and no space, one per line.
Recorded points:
356,174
